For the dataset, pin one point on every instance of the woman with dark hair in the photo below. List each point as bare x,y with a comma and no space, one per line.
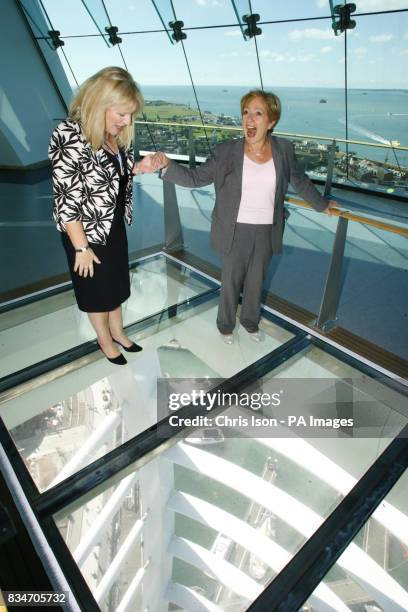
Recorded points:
92,164
250,177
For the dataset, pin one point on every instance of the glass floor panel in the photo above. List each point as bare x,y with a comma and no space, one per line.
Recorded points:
37,331
372,573
64,425
206,525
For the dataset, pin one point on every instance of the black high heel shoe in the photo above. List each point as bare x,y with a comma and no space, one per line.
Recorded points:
119,360
133,348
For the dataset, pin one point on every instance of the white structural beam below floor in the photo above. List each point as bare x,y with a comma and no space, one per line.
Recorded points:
260,545
188,599
354,560
224,572
309,458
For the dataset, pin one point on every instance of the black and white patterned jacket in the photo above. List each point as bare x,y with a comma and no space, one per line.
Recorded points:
85,183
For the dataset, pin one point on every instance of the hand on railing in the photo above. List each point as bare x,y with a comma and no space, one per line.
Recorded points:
151,163
331,206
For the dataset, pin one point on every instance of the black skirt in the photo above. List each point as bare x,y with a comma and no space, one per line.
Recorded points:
110,285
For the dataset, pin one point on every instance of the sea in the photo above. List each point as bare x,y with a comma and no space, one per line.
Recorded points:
375,116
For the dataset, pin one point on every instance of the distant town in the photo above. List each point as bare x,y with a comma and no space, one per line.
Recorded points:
351,167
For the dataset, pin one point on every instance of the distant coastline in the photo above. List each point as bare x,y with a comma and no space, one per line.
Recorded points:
386,174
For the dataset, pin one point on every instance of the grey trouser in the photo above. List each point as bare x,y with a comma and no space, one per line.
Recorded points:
244,268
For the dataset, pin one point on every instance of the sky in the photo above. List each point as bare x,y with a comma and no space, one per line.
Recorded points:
304,53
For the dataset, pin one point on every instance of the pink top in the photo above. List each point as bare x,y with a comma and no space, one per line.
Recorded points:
258,192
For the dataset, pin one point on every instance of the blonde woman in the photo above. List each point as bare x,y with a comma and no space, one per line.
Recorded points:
92,163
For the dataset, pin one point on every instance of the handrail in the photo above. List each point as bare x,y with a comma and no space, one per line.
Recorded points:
239,129
337,212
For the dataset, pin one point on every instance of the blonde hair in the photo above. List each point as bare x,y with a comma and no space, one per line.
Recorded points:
109,87
272,102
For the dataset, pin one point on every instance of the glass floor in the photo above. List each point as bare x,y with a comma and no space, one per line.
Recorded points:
38,330
160,517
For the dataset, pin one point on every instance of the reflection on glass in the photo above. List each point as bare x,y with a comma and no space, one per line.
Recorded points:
212,519
376,258
372,574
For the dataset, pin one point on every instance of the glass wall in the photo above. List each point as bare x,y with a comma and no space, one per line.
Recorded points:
334,86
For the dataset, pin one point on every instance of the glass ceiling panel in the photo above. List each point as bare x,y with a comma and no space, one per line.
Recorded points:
45,328
134,15
219,517
381,550
205,13
99,406
296,9
70,18
163,65
98,15
88,55
227,61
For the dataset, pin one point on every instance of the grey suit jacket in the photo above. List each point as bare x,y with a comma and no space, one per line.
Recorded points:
224,169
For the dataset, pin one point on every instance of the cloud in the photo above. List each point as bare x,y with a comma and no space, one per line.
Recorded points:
231,54
312,34
326,49
306,58
403,52
285,57
379,5
380,38
405,37
322,3
360,51
208,2
233,33
275,57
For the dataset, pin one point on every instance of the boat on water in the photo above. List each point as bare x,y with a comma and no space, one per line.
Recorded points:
323,101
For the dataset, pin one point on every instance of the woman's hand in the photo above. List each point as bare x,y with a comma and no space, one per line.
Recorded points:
160,160
151,163
144,165
84,263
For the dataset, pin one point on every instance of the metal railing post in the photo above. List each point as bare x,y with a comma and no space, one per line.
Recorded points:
136,147
332,290
191,148
173,232
330,168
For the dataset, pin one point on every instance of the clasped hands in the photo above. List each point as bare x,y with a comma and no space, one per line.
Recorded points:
151,163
